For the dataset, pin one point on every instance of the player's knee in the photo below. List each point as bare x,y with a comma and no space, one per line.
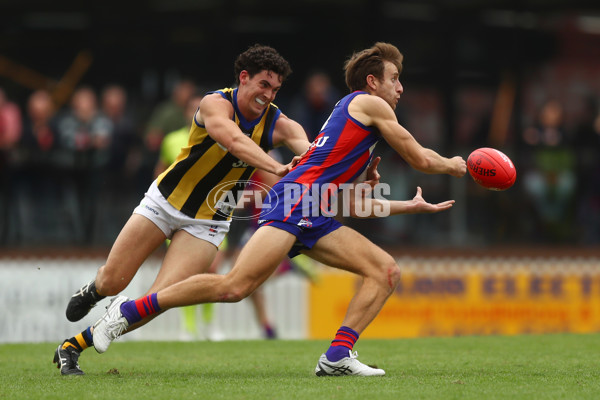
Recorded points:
389,274
394,273
235,292
232,296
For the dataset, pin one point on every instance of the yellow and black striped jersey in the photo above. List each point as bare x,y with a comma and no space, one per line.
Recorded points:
205,177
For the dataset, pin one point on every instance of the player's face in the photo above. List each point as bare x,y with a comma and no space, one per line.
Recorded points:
257,92
389,87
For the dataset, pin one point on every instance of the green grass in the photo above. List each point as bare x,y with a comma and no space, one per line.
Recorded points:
517,367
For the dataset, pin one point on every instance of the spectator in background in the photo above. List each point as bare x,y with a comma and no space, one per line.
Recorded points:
37,191
84,136
39,136
167,117
312,107
10,132
10,123
587,144
178,138
549,179
122,164
85,131
124,138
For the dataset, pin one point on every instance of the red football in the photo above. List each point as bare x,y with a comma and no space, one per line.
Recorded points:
491,169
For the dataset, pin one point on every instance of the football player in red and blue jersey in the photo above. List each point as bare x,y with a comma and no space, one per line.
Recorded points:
297,215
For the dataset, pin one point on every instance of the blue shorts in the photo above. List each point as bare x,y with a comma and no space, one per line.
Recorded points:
307,228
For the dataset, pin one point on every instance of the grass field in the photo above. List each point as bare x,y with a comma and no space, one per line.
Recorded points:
557,366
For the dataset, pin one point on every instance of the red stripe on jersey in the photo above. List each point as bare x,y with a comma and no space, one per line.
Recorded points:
309,152
362,160
349,138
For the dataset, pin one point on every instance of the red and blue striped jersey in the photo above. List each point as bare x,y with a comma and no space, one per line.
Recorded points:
341,151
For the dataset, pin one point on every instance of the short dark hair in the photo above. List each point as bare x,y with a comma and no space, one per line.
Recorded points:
370,62
261,58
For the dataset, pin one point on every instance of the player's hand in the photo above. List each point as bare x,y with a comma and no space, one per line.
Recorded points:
373,175
297,159
284,169
421,206
458,166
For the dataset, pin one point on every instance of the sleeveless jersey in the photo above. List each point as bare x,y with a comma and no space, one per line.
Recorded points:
341,151
205,171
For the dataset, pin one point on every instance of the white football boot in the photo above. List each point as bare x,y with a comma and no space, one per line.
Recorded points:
346,366
111,325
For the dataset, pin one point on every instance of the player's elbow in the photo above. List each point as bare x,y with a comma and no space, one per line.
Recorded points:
232,146
236,145
421,162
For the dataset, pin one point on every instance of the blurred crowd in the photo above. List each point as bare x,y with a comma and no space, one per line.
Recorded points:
71,175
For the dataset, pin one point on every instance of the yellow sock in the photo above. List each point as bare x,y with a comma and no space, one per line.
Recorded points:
81,341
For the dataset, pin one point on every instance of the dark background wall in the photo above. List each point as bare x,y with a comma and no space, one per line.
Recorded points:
459,54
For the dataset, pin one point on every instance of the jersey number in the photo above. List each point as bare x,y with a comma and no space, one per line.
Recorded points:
320,142
239,164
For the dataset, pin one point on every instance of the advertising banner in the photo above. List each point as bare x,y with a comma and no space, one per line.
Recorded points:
470,297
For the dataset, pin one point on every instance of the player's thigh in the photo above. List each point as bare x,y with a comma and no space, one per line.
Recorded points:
136,241
187,255
260,257
347,249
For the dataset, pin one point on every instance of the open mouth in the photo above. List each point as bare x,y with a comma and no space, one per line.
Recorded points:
259,101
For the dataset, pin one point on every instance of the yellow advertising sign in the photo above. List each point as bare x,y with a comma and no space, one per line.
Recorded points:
476,299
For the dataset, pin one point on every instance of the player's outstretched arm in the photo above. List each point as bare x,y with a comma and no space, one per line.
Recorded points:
363,206
215,113
374,111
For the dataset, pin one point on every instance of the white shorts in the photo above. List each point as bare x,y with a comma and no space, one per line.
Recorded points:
157,209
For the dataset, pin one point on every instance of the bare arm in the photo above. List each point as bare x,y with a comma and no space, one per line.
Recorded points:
290,134
215,113
374,111
362,205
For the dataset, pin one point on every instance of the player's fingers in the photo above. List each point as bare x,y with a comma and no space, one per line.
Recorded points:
296,160
375,162
372,169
